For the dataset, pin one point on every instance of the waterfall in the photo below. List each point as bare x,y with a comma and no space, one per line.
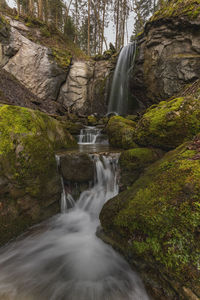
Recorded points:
65,198
118,101
63,258
89,135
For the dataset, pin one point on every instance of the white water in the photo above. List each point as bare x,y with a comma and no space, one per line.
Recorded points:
66,200
89,135
64,260
118,102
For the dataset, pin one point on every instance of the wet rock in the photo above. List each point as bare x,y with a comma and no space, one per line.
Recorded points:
30,186
77,167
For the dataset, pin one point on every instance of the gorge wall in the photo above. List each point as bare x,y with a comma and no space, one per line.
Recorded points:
168,53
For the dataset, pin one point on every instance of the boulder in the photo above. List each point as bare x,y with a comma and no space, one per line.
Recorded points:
155,223
33,65
134,161
77,167
121,132
29,181
169,123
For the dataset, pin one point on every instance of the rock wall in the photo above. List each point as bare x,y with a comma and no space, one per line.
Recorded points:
168,57
86,89
32,64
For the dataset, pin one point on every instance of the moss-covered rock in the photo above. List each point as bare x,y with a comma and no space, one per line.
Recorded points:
174,8
29,181
121,132
157,221
169,123
92,120
134,161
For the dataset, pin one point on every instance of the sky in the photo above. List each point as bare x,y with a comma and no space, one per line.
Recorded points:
109,32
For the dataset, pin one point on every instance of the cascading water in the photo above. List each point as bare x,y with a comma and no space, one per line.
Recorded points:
89,135
118,102
64,260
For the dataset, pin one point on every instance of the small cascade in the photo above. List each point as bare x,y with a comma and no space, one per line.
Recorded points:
118,102
65,198
64,259
89,135
105,184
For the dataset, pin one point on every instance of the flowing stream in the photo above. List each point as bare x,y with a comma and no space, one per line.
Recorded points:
89,135
118,102
62,259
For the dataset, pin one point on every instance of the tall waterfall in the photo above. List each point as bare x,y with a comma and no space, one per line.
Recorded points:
63,259
118,102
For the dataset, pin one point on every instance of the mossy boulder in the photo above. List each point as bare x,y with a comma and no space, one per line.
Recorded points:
92,120
169,123
121,132
156,222
29,181
133,162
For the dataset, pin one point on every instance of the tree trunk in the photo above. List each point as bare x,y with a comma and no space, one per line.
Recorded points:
18,7
117,27
103,25
88,46
40,9
31,7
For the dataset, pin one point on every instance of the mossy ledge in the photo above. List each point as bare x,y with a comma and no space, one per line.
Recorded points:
155,223
29,181
178,8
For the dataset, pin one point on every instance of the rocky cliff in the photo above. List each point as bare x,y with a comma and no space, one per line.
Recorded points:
86,88
168,52
44,68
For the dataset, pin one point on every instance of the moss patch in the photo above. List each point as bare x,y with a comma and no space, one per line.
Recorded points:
121,132
157,219
134,161
174,8
29,182
169,123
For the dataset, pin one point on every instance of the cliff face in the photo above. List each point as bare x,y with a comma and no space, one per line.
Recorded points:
86,89
47,70
168,52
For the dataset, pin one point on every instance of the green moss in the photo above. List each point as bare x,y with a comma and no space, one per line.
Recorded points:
134,161
158,218
28,141
92,120
121,132
4,29
62,57
174,8
169,123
